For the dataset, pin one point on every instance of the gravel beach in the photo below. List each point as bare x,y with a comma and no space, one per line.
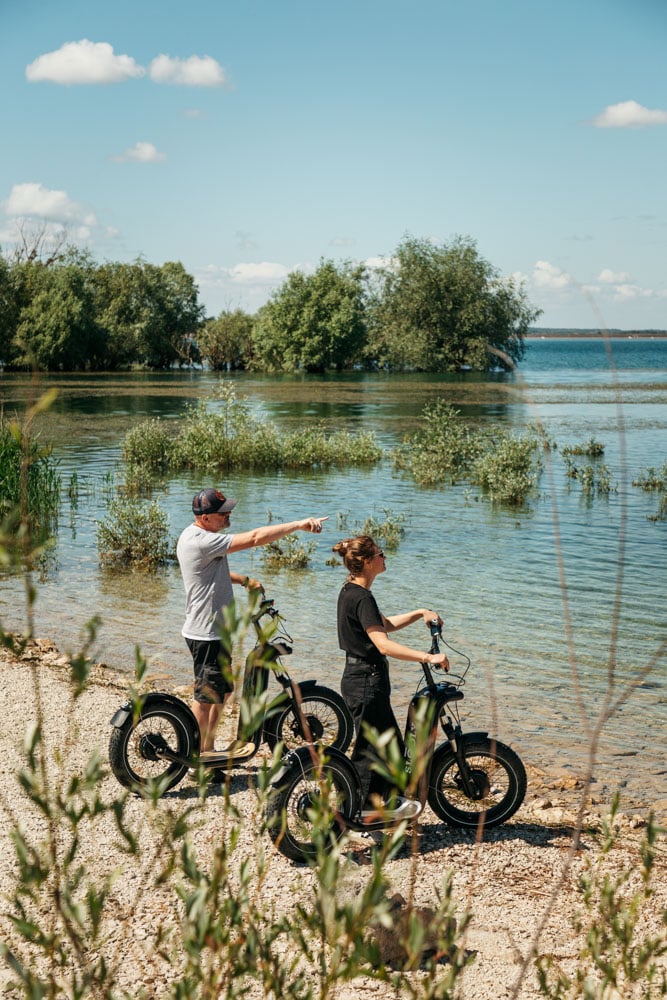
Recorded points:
520,878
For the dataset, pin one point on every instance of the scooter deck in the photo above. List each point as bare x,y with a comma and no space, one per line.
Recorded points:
235,751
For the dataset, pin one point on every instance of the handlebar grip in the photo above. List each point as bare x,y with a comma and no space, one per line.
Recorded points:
435,627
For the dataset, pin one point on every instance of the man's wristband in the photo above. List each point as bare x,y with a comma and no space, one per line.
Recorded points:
245,581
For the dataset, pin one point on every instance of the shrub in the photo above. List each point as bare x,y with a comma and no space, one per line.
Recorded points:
288,553
231,437
443,450
617,958
390,531
655,481
135,534
150,445
509,471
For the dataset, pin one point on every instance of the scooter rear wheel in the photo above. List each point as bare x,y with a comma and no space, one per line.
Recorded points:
132,747
499,778
301,807
328,718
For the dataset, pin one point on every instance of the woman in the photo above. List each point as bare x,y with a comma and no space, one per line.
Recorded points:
363,634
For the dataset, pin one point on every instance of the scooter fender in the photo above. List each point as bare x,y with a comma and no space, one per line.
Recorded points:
126,710
446,748
302,758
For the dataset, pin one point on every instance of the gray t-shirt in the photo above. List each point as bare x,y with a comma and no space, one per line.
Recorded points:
202,556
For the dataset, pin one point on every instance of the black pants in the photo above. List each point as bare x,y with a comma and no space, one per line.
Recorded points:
366,690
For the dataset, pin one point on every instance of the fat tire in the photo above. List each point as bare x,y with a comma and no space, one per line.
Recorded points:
507,780
327,714
132,769
287,822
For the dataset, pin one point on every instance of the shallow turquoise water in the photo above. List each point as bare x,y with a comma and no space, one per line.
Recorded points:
495,575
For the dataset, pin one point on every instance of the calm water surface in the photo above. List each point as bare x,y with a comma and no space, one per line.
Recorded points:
495,575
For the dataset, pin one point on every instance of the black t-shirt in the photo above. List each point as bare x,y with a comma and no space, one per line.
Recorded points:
357,611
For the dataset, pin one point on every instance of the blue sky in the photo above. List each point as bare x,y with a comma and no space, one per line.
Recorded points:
250,138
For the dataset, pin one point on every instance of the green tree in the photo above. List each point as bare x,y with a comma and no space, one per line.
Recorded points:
170,315
313,322
149,314
56,327
445,308
8,312
226,342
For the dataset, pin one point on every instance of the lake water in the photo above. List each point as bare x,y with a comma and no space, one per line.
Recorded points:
532,596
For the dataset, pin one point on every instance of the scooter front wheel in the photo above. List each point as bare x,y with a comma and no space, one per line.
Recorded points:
326,715
498,777
134,746
302,807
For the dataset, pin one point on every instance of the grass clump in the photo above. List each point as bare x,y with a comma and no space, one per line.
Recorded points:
221,433
655,481
595,480
592,448
135,534
29,477
287,553
390,531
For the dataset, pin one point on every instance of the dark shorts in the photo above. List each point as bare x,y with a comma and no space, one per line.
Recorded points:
213,679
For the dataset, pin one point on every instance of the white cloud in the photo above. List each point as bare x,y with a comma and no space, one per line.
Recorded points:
629,114
193,113
141,152
38,202
83,62
546,275
197,71
627,293
609,277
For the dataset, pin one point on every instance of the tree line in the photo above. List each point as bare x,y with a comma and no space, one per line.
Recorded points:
431,308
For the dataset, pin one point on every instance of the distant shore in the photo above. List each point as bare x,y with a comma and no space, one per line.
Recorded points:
552,334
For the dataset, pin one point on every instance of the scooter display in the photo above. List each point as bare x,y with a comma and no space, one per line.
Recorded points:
470,780
157,742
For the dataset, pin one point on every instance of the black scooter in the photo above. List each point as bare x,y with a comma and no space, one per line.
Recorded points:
155,743
469,780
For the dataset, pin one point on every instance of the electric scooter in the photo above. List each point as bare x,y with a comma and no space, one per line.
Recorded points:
470,780
156,742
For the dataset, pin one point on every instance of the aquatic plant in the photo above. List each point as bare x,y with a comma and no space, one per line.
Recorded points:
29,474
592,448
221,433
135,534
446,449
389,531
287,553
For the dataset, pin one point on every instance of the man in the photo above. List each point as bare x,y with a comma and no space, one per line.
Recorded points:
202,555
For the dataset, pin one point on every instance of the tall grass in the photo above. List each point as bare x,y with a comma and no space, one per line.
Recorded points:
221,433
29,477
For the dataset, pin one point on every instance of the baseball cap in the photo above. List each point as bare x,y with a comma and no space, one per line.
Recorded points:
210,501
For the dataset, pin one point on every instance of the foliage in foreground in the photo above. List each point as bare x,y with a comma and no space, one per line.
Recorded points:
618,959
74,935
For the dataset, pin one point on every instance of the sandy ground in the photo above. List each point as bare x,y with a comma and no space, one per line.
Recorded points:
519,883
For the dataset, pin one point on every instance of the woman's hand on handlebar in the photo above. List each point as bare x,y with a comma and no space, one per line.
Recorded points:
437,660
